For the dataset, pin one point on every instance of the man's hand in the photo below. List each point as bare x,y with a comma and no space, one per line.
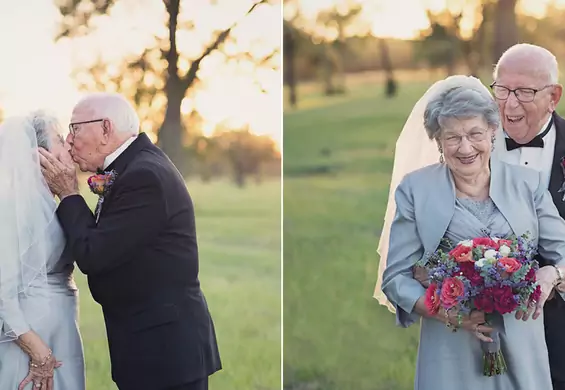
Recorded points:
60,175
421,275
546,277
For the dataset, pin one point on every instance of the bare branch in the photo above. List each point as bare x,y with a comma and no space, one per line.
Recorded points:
190,76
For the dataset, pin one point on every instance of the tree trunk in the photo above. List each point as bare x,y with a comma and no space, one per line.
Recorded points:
172,129
289,53
386,63
505,29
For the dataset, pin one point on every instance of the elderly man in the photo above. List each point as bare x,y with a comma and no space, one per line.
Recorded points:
138,249
527,90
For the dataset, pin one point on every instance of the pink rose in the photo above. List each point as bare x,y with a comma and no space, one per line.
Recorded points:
432,299
509,264
451,290
461,253
486,242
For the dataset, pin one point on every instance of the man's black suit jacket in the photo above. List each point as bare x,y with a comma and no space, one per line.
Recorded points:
554,310
141,259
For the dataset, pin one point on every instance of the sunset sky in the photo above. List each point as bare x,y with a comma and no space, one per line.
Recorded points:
405,18
35,71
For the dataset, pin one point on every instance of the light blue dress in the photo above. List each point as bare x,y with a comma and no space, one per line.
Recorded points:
448,360
58,328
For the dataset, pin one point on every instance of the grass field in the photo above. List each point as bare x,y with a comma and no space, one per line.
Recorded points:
239,240
338,155
337,163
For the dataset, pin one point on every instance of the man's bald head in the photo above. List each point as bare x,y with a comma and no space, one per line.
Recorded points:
100,124
529,59
114,107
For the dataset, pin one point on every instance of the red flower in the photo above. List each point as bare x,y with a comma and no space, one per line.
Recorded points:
508,243
485,241
451,290
509,264
461,253
484,302
468,270
432,300
536,294
504,301
531,275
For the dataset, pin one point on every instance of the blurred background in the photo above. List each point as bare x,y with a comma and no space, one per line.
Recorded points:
353,70
205,77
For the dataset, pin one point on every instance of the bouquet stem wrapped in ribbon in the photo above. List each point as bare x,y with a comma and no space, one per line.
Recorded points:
493,359
493,275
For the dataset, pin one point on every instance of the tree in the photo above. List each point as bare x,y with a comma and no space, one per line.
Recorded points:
245,152
289,58
335,22
158,68
505,27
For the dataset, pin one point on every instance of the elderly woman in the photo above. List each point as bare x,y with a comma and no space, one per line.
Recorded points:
38,297
469,194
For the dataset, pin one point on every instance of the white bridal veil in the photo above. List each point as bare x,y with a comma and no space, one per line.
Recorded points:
29,230
414,150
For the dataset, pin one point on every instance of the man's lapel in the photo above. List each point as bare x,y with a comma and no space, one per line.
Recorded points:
557,178
120,164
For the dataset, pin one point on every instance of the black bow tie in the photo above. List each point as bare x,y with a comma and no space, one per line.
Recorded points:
100,171
537,142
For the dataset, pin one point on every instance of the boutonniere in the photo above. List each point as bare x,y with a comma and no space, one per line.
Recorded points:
562,189
100,185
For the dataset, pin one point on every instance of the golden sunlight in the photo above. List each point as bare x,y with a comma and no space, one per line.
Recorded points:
403,19
37,72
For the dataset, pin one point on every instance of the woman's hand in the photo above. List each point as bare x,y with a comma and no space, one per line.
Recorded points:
42,362
474,323
41,374
421,275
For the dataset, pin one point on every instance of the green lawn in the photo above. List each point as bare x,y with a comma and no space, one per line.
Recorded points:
338,155
337,163
239,240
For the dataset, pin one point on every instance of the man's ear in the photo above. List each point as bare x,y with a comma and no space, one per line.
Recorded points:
107,130
556,96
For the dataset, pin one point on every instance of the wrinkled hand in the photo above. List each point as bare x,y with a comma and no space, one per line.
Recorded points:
546,278
421,275
475,322
41,377
60,175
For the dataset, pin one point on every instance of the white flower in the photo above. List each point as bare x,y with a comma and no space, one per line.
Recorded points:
504,250
468,243
490,254
481,262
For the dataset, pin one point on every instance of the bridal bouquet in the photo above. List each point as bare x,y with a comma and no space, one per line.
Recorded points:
489,274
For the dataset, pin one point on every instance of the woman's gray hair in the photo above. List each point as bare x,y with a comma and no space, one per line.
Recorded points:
43,123
459,103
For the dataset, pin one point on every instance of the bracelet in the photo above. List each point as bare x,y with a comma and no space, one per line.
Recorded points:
32,364
448,324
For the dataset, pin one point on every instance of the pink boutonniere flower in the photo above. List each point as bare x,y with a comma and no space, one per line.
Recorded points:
100,185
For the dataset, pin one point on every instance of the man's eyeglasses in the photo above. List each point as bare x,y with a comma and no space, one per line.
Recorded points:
524,95
73,127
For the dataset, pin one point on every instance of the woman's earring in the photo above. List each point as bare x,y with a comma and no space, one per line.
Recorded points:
493,141
441,159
